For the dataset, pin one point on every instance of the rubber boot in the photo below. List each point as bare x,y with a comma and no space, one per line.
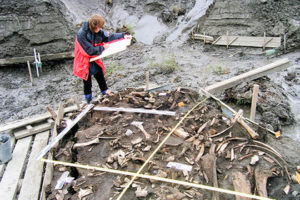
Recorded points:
104,92
88,97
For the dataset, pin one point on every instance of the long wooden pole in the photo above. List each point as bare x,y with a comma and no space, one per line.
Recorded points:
248,76
30,74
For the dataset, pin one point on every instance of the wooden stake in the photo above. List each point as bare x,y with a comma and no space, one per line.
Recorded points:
227,40
60,114
264,44
284,43
254,101
53,114
30,74
147,80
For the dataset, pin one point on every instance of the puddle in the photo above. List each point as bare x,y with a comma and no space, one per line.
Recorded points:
147,28
294,130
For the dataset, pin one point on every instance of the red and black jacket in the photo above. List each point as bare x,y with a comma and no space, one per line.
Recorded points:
89,45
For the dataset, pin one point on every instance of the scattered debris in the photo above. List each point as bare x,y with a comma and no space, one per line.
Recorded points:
192,154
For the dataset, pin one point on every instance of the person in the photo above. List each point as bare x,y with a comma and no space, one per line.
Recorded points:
91,41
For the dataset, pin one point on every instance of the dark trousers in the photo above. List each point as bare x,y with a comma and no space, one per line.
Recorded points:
87,85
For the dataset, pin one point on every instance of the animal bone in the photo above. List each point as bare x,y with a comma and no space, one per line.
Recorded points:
140,126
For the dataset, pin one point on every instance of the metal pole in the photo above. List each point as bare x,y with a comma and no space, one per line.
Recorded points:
36,63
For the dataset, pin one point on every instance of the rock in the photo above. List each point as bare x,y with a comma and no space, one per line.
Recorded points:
48,31
167,16
290,76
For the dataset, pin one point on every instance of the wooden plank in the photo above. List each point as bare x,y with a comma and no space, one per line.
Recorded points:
273,42
34,130
203,37
60,114
34,171
248,76
14,169
48,170
45,57
47,177
31,120
214,42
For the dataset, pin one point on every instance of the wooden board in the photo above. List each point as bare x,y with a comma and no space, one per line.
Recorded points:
272,42
14,169
34,130
45,57
248,76
34,171
31,120
113,48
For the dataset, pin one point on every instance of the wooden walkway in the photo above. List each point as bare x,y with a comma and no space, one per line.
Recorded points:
273,42
21,177
24,177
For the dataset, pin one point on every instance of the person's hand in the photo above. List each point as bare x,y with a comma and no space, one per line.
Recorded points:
106,46
128,37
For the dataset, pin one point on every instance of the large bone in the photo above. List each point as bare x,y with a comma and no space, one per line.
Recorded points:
140,126
261,178
94,141
241,184
240,120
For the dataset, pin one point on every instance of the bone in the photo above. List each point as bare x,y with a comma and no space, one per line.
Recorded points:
139,125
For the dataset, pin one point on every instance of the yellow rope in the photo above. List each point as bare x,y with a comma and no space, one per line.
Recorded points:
159,146
195,185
